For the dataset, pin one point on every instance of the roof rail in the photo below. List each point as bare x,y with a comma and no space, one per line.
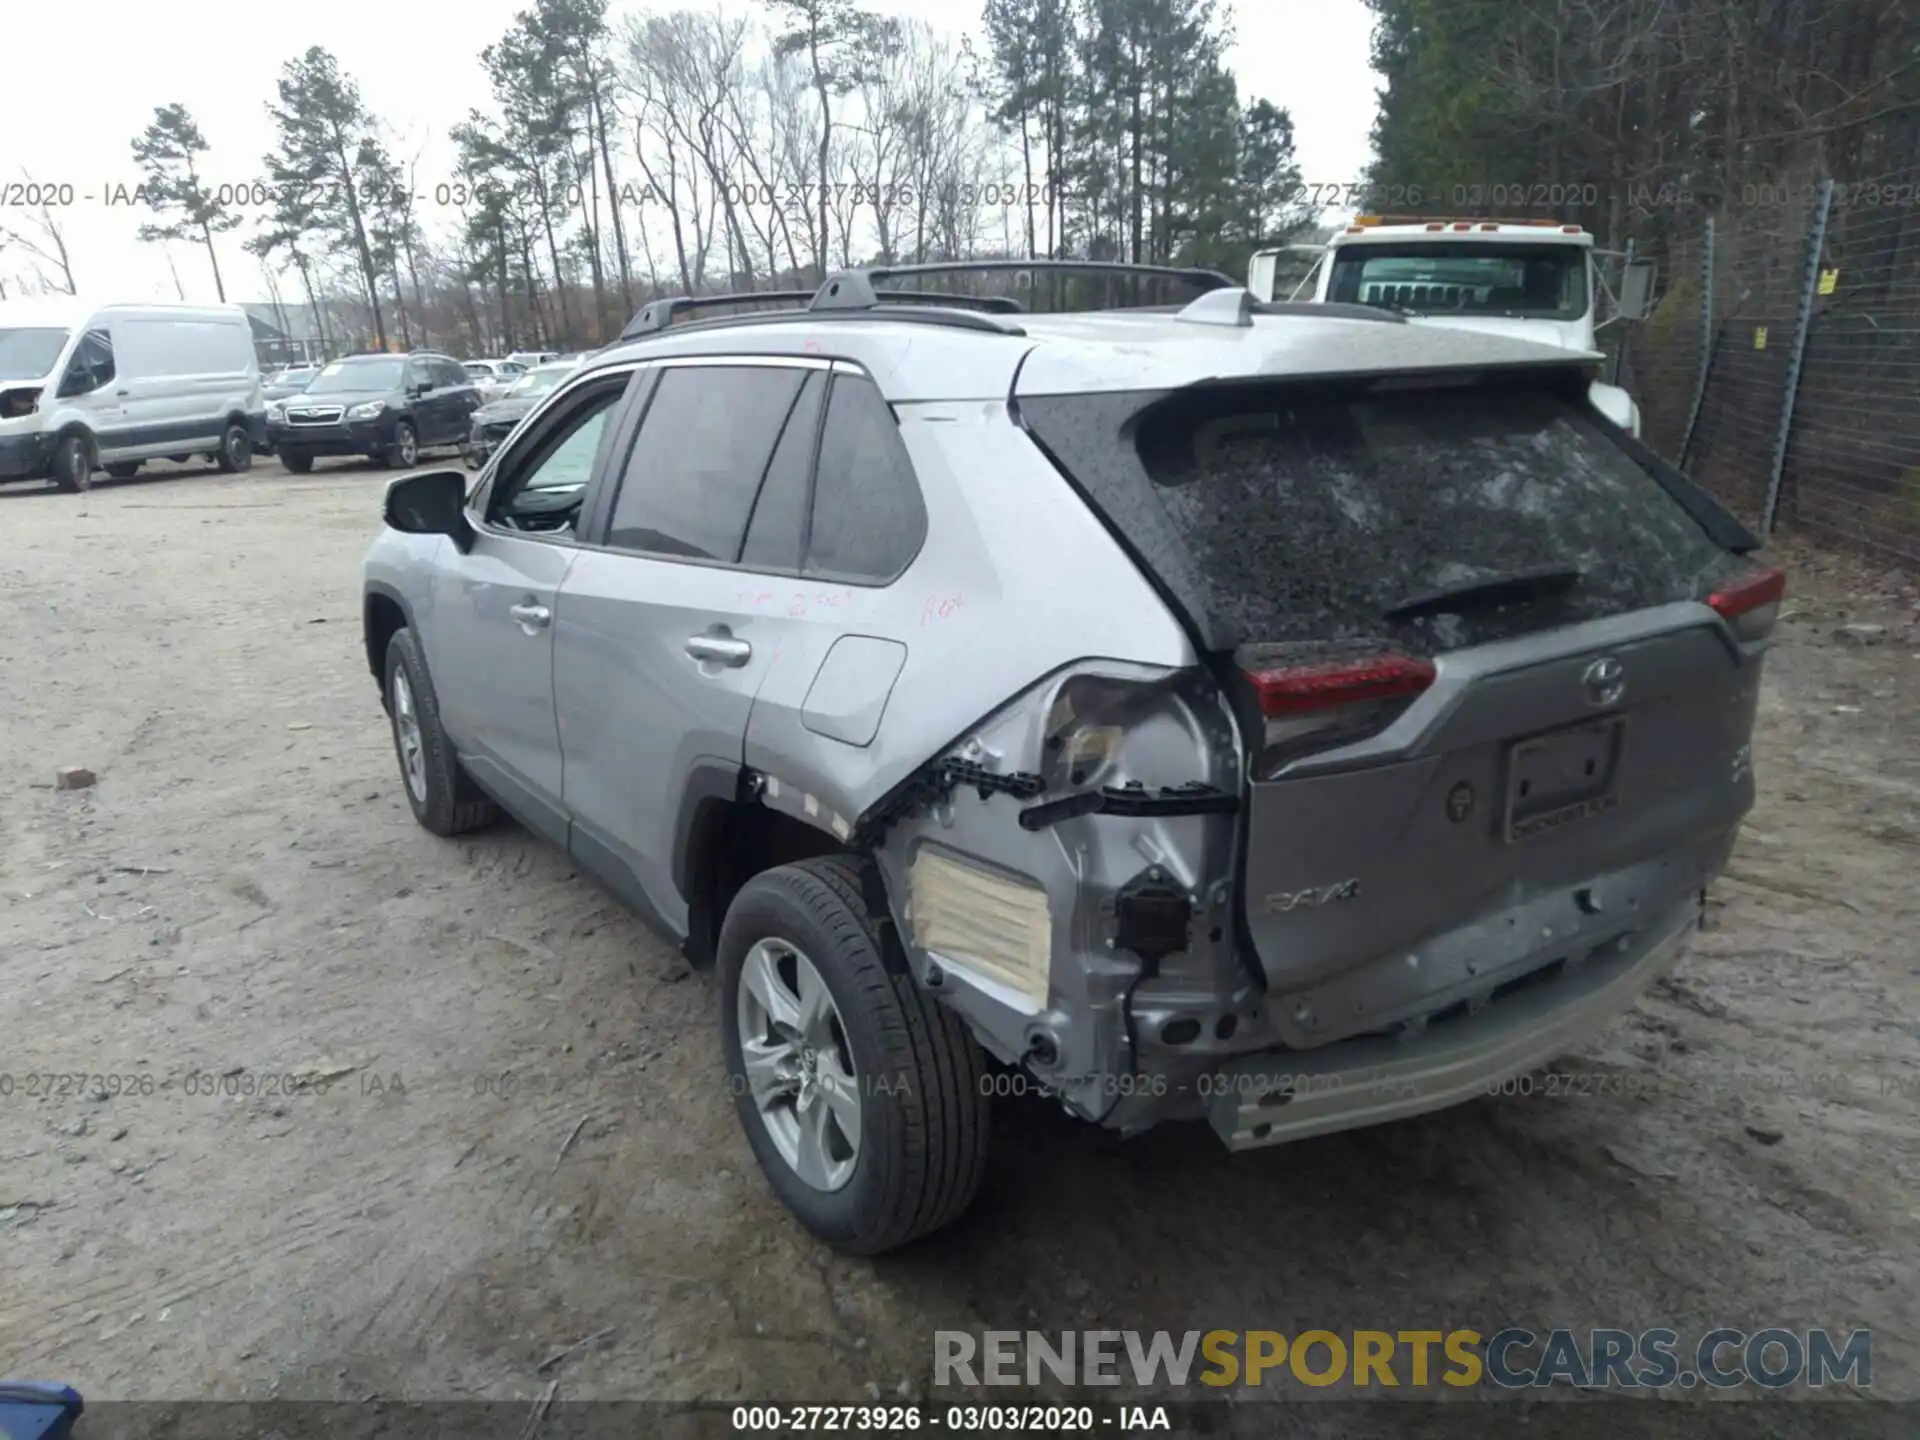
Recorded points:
855,289
657,315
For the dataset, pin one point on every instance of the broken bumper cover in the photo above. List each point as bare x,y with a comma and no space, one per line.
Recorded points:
1272,1098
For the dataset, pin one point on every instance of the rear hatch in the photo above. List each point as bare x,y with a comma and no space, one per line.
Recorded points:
1487,714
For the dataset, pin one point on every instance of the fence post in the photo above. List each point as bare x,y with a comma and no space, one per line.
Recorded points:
1620,349
1809,285
1706,346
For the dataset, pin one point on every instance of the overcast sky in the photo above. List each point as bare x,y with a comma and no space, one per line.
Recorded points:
68,116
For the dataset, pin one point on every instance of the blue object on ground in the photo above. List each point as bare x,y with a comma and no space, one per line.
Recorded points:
38,1410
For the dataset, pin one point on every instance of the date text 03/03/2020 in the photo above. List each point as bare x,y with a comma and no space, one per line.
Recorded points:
460,194
961,1419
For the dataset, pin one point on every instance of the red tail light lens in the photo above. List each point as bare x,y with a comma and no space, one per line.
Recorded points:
1751,604
1300,688
1321,705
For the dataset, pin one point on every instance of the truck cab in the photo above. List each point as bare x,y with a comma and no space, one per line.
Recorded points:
1529,279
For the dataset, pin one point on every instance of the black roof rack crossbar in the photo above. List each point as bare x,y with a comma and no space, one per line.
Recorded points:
855,289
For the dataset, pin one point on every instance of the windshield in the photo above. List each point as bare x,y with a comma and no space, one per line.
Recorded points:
1538,282
358,375
28,354
479,369
538,382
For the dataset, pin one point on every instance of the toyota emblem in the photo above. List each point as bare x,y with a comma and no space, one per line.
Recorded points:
1605,681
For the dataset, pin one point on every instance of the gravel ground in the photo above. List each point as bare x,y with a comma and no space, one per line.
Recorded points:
526,1141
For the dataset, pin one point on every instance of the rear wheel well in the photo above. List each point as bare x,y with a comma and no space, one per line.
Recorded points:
383,620
730,842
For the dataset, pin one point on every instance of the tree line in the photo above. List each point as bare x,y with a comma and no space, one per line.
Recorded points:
1645,115
691,151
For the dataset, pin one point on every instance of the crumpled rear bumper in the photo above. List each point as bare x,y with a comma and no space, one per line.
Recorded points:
1272,1098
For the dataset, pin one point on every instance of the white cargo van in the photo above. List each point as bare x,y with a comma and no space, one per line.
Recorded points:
86,387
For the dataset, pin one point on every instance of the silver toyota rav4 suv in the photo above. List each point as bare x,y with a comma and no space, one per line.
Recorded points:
1286,717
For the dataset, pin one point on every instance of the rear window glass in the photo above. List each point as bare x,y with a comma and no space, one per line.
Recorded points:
1321,513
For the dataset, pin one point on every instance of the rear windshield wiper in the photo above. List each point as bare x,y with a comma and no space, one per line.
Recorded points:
1507,589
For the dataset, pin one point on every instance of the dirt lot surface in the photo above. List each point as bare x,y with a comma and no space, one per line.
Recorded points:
526,1141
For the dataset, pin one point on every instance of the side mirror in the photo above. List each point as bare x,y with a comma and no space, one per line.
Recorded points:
1636,289
433,502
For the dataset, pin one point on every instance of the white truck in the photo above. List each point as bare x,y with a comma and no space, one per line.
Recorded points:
1532,279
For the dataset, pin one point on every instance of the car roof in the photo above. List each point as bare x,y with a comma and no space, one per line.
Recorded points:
929,357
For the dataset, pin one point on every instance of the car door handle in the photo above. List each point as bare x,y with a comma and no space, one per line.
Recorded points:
723,649
534,615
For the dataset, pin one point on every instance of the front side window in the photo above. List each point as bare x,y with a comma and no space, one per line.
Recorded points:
690,483
543,482
91,366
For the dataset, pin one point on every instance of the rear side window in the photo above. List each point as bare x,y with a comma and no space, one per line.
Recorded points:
690,482
1318,513
868,518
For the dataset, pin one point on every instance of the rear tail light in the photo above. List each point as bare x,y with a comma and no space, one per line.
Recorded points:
1751,604
1320,705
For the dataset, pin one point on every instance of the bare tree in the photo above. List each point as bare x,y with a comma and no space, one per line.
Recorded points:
43,241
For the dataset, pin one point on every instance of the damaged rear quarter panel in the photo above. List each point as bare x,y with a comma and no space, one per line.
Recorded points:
1017,581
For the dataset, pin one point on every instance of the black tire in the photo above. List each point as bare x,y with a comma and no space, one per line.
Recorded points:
124,469
923,1109
236,450
72,465
298,463
453,804
403,451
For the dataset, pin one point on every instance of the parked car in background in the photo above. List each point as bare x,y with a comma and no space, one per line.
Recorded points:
289,380
493,378
1391,713
283,384
527,359
494,421
85,387
388,408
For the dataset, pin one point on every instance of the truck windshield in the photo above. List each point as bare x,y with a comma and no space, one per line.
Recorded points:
28,354
1523,281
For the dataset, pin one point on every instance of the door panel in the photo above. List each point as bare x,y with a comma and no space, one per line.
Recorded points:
657,660
639,712
492,628
491,657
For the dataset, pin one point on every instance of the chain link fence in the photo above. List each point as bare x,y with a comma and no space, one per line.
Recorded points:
1781,367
